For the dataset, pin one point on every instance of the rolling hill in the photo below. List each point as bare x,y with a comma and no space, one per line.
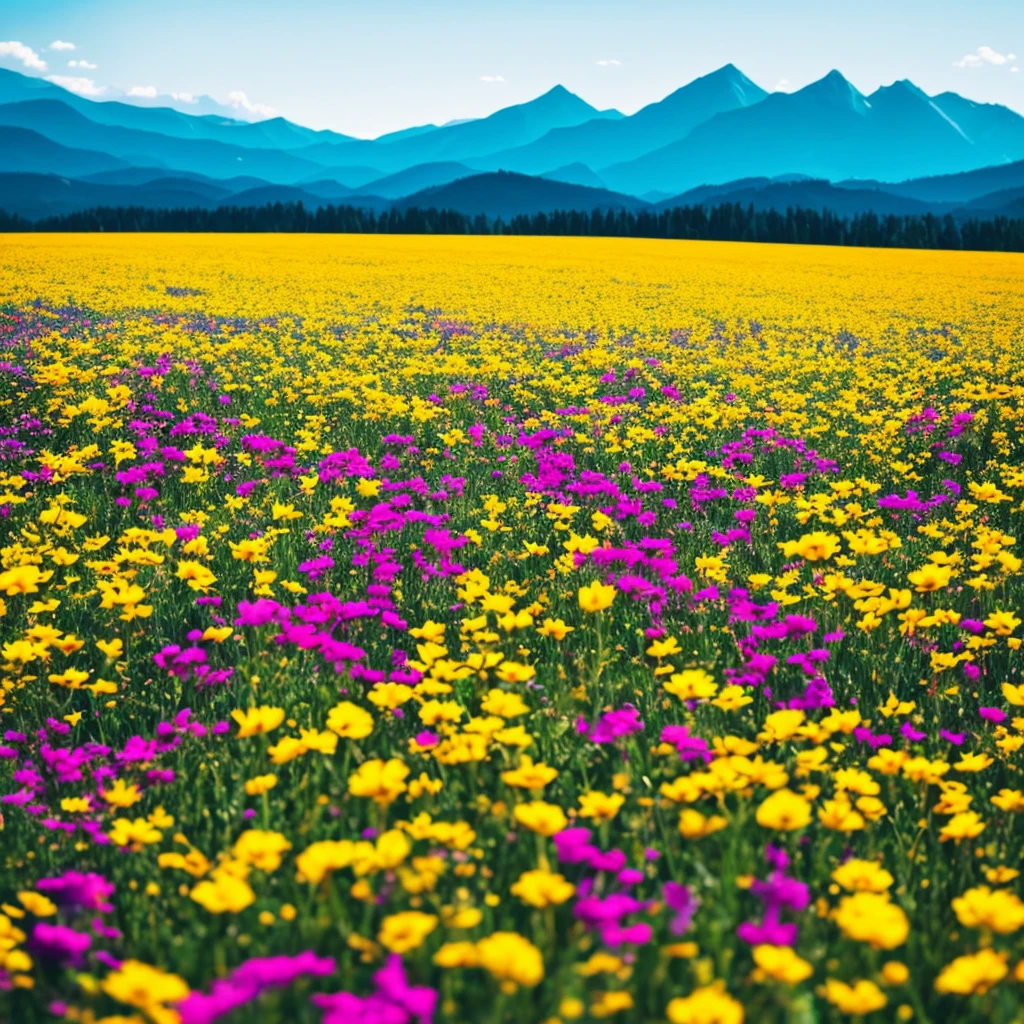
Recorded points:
505,194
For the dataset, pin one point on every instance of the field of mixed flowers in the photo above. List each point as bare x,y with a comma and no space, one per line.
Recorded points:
399,630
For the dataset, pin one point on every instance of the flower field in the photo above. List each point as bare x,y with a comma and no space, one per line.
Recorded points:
397,630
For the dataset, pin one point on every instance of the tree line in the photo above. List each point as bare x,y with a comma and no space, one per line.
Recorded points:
729,222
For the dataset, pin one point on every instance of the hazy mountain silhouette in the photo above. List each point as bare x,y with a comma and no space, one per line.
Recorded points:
59,122
598,143
22,149
718,138
413,179
826,130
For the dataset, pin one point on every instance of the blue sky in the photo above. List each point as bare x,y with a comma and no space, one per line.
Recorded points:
370,67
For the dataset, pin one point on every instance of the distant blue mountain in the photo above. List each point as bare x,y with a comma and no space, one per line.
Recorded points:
413,179
43,195
575,174
22,149
721,137
59,122
826,130
598,143
348,176
953,188
510,126
275,133
808,194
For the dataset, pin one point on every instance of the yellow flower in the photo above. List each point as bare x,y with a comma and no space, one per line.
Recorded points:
694,825
708,1005
930,577
121,794
596,596
1014,694
36,903
555,628
430,632
812,547
389,695
1009,800
543,888
781,964
223,893
197,575
515,672
257,720
504,704
262,849
1002,623
600,806
350,721
544,819
607,1004
857,1000
692,684
381,781
260,784
862,876
999,910
321,858
529,775
784,811
511,959
22,579
871,917
973,974
113,649
403,932
966,825
139,985
135,833
732,698
457,954
895,973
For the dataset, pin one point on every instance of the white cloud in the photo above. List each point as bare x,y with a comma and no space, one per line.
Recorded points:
144,92
83,64
608,63
240,101
183,97
492,78
27,56
783,85
82,86
59,44
984,55
1015,70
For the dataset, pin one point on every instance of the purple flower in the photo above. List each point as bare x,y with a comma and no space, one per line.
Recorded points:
777,893
393,1002
58,943
683,902
76,891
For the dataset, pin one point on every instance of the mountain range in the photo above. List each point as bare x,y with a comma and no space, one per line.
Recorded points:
720,138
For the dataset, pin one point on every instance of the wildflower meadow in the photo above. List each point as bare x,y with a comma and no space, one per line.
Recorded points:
398,630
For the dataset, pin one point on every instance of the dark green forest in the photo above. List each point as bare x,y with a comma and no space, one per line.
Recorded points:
727,223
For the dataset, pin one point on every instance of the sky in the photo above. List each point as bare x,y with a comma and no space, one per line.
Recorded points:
365,68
